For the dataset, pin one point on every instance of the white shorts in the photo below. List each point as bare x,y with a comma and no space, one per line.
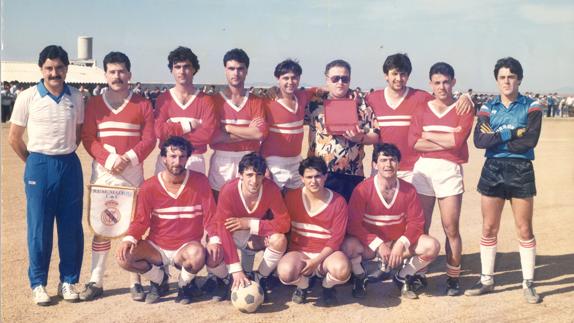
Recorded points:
406,175
223,167
132,176
194,163
438,177
167,256
285,171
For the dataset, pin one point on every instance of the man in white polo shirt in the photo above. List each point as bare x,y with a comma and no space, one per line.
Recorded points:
52,113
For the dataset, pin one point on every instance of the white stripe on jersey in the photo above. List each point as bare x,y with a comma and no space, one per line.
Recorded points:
179,209
289,124
382,224
440,128
235,122
102,134
307,226
177,216
398,117
180,119
394,123
288,131
118,125
384,217
312,234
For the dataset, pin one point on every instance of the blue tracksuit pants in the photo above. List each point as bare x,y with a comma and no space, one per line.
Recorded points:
54,190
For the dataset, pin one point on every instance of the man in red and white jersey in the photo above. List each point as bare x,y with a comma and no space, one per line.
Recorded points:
285,115
252,210
386,220
318,223
395,105
439,134
184,110
118,134
242,121
176,209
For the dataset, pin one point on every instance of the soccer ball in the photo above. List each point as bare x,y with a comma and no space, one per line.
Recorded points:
247,299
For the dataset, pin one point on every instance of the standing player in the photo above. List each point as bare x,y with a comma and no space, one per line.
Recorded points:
343,153
243,207
386,220
285,116
439,134
184,110
118,134
508,128
242,119
318,223
52,113
395,105
176,208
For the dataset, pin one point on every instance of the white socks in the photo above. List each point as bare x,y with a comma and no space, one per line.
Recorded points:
414,264
100,250
527,259
487,259
185,277
330,281
270,260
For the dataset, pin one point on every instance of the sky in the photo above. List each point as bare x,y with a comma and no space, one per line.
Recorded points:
469,35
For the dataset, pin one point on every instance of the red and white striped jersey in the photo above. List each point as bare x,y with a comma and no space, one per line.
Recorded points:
174,119
430,120
372,219
394,120
313,231
285,136
230,114
174,219
127,129
231,204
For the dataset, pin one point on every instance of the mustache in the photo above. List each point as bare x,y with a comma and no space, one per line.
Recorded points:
57,77
118,82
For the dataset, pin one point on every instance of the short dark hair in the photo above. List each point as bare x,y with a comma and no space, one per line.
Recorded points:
288,66
443,69
182,54
117,58
53,52
176,142
400,61
387,150
512,64
338,63
313,162
255,161
238,55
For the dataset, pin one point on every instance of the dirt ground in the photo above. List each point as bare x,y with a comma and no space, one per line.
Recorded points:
553,208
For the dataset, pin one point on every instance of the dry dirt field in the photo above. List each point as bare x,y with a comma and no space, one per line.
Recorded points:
553,208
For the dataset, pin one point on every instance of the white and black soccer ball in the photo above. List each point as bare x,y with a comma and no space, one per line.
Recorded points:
247,299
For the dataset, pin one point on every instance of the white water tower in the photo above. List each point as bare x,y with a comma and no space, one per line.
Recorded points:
85,57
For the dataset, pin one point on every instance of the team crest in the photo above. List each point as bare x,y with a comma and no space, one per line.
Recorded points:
111,215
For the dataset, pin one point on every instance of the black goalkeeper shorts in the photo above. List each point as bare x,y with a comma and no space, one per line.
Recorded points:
507,178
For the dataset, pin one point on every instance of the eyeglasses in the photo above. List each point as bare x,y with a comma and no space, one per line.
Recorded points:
343,78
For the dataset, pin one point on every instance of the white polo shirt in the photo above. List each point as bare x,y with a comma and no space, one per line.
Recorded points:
51,122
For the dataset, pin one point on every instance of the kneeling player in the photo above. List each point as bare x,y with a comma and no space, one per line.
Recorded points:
243,208
176,207
386,220
318,223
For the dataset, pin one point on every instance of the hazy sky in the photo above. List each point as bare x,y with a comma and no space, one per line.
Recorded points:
470,35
